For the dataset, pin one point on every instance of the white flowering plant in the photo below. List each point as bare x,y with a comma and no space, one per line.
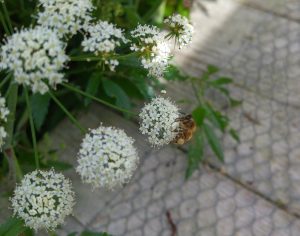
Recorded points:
60,55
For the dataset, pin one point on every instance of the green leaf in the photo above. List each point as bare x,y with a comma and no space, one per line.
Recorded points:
92,86
216,118
211,69
174,74
89,233
221,81
213,141
195,154
39,106
152,10
234,135
59,165
234,102
224,91
12,227
199,115
113,90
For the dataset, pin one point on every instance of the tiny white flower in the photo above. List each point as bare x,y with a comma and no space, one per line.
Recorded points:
158,120
43,199
107,158
154,50
180,28
103,38
65,16
36,57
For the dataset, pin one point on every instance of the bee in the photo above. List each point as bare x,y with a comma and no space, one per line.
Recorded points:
186,129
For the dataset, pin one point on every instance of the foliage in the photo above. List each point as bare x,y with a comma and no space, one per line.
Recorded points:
210,121
32,115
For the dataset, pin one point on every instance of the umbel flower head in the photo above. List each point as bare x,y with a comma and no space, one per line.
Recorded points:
103,38
65,16
153,49
107,158
180,28
35,56
43,199
158,120
3,119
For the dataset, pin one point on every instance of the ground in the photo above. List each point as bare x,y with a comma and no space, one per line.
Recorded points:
256,191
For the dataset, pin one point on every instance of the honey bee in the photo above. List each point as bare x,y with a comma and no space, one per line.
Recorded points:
186,129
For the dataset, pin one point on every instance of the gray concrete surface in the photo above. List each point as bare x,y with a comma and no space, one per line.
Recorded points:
256,192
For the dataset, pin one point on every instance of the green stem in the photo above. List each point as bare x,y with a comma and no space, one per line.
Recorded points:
7,17
73,88
7,77
11,156
99,58
36,155
70,116
4,24
11,105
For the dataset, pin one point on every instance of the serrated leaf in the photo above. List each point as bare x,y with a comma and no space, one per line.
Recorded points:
12,227
199,115
213,141
195,154
92,86
39,106
113,90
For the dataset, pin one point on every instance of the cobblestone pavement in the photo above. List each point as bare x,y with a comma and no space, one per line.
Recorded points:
257,191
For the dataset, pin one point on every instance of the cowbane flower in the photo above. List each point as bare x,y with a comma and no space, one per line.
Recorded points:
180,28
43,199
102,39
3,119
36,57
159,121
65,16
107,158
152,48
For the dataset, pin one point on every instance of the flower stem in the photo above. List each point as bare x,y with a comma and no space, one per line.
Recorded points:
70,116
7,77
13,163
6,15
4,24
99,58
73,88
11,105
36,155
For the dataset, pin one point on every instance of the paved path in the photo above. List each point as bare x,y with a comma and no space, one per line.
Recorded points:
257,190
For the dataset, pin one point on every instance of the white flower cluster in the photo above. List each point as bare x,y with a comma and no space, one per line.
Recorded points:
107,158
153,48
158,120
43,199
181,29
3,118
103,38
36,57
65,16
